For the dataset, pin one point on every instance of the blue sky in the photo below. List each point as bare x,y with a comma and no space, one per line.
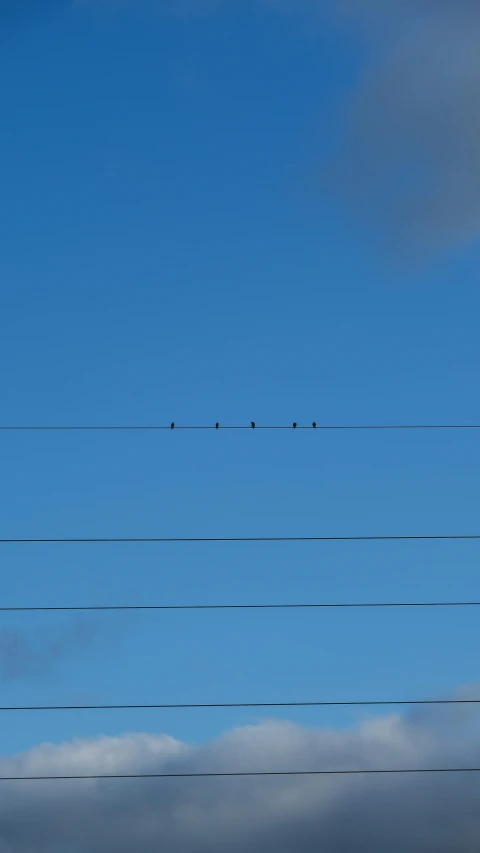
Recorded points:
172,251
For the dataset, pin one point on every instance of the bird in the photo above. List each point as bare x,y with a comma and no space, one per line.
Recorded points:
253,424
172,425
314,425
294,424
217,425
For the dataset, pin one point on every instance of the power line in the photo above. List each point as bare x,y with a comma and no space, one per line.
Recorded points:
239,774
282,606
218,426
209,705
155,539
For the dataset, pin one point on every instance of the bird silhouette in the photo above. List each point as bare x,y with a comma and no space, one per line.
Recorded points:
314,425
253,424
217,425
172,425
294,425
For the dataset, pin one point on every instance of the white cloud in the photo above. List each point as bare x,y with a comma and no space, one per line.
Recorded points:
333,814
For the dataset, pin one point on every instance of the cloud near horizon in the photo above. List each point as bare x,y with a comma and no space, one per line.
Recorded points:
418,813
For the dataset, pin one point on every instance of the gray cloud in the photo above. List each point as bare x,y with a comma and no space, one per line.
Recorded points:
23,655
410,152
437,813
409,155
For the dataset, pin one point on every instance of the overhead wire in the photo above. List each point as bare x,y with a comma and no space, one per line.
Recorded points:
209,705
281,606
245,773
217,426
158,539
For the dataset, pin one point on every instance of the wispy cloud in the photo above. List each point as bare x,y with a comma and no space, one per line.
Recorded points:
23,655
336,814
